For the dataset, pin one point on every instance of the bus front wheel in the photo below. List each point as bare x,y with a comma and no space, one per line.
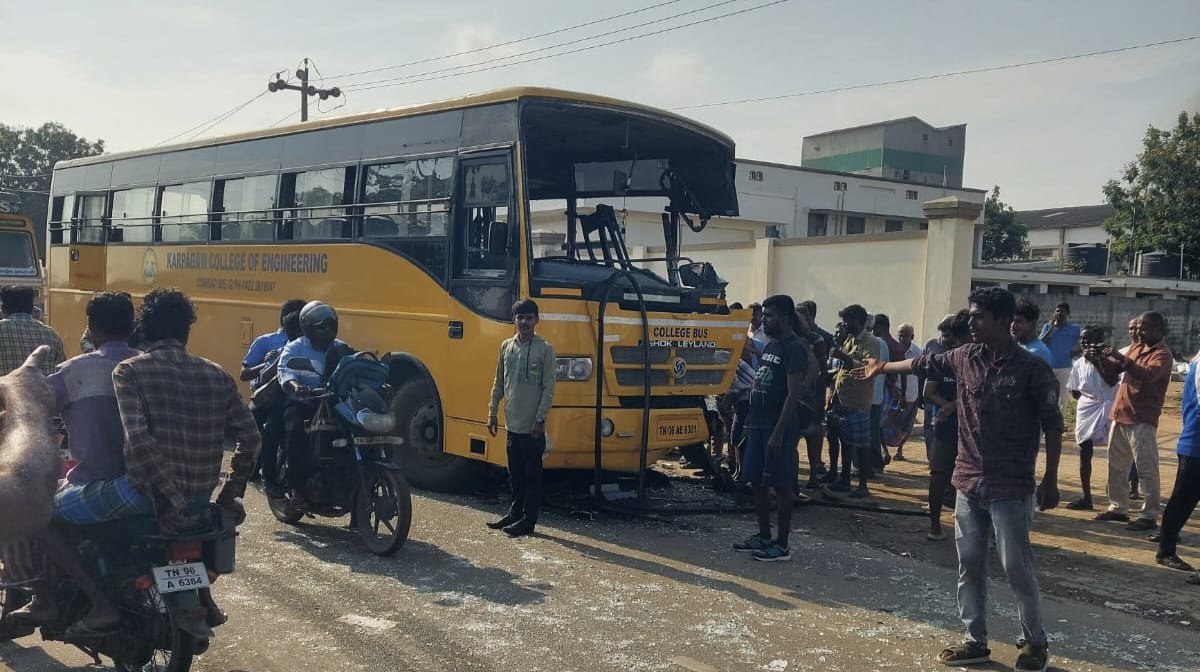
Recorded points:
419,422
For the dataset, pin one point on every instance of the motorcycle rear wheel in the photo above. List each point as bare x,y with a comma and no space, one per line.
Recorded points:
383,511
173,648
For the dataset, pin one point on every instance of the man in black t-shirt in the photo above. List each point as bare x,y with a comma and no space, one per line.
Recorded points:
773,432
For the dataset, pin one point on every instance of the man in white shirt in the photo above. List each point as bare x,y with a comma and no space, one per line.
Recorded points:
1094,394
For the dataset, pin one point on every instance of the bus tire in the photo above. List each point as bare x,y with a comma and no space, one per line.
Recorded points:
422,458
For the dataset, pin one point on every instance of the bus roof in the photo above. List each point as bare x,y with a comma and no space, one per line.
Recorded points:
470,100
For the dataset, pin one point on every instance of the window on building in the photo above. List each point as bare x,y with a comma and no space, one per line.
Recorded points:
756,176
910,194
839,185
924,137
133,216
949,142
893,225
856,225
923,226
183,212
248,208
818,224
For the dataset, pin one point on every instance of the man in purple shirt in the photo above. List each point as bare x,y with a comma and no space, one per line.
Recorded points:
95,489
1007,398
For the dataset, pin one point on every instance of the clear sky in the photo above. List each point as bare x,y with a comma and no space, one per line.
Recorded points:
136,72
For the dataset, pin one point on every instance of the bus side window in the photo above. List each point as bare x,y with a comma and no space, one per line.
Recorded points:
317,209
483,234
62,209
183,212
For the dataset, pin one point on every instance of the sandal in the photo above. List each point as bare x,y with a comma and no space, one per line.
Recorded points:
1174,562
967,653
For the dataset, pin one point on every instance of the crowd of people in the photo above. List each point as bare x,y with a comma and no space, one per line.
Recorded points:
993,388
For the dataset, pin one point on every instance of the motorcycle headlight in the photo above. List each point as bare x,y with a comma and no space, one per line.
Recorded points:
572,368
377,423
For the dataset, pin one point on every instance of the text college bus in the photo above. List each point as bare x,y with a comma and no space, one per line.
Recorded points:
414,224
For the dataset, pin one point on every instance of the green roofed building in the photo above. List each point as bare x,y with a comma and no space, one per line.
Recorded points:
905,149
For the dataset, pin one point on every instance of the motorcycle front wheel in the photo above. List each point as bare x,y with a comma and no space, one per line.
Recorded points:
383,510
172,649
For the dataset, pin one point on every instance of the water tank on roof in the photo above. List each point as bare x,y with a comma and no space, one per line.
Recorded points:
1091,258
1158,265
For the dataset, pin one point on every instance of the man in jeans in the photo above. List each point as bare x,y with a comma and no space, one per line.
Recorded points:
1187,479
1008,397
525,374
1147,373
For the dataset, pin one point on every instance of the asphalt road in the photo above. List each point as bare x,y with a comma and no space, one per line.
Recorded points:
610,594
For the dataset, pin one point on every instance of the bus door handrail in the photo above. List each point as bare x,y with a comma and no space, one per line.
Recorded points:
598,494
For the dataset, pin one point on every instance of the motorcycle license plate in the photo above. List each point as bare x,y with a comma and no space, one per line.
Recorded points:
174,578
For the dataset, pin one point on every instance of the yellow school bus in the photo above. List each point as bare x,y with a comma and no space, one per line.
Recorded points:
19,264
414,223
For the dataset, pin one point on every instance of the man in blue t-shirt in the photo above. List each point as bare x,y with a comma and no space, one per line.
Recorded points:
773,432
1186,494
1024,326
1062,338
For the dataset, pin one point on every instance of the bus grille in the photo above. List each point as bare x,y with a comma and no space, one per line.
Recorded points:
632,354
635,377
701,377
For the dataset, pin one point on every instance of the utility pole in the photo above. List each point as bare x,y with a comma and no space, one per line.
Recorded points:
304,88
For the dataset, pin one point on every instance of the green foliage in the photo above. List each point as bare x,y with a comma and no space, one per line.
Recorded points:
1157,200
1003,236
33,152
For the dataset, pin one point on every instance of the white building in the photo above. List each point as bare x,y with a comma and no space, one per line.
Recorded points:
1052,232
782,201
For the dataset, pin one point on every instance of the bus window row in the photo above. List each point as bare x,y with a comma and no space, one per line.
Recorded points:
402,199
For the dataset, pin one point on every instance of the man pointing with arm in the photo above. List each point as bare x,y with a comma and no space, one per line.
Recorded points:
1008,397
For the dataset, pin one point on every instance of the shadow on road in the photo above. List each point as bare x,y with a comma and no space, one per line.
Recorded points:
419,565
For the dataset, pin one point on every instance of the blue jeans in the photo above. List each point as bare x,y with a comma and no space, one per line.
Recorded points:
1011,520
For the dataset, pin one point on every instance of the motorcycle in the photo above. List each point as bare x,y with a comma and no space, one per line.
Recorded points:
160,584
351,449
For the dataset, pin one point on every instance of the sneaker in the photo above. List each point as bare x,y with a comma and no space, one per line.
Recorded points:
1142,525
1113,516
1174,562
1032,658
752,545
773,553
967,653
504,522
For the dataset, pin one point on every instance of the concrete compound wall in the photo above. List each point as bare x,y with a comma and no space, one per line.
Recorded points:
1113,313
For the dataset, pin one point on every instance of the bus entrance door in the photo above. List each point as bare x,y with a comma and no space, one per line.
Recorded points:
88,251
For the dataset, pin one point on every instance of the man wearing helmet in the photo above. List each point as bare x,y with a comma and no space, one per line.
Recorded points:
319,324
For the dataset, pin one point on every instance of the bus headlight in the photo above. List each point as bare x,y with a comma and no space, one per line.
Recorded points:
607,427
722,356
572,368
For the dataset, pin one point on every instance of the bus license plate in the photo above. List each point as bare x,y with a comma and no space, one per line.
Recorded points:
174,578
676,430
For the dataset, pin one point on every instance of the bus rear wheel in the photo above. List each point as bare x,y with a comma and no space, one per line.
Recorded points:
419,422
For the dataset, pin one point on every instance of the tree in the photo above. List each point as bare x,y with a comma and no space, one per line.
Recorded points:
27,157
1156,203
1003,236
